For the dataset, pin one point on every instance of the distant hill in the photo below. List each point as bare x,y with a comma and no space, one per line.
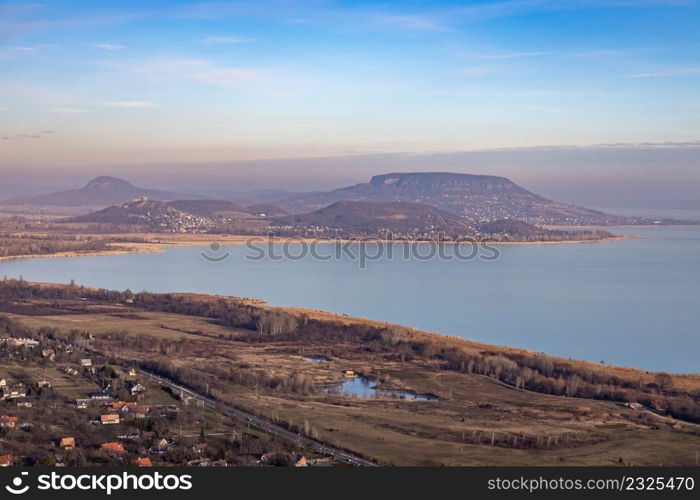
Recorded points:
376,218
211,208
481,198
341,219
261,196
512,227
101,191
266,210
150,215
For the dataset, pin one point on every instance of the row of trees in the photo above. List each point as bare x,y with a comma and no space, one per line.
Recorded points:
37,245
259,323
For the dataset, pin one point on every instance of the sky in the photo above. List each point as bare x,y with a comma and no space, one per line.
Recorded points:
151,85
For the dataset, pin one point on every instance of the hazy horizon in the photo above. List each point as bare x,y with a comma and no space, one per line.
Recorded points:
614,176
592,102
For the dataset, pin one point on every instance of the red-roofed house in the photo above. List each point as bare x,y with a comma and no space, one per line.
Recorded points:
67,443
112,447
6,421
109,419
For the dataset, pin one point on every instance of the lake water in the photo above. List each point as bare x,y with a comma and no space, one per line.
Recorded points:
633,302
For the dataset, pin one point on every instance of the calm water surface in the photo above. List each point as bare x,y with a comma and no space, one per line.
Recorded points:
633,302
363,387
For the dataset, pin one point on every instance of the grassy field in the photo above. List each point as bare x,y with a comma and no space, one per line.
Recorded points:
477,420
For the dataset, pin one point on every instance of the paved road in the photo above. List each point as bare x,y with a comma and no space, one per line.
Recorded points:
265,425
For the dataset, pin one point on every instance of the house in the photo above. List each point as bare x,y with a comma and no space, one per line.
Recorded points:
127,406
103,394
302,462
206,462
110,418
6,460
3,383
71,371
9,422
86,362
22,342
140,411
660,405
81,404
67,443
48,353
143,462
132,372
16,391
112,447
43,383
24,402
137,389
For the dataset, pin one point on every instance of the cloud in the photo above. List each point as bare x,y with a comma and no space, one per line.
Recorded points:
110,46
475,71
225,40
70,111
194,70
516,7
511,55
130,104
412,22
687,71
15,51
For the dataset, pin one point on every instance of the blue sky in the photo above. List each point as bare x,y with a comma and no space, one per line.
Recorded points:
89,83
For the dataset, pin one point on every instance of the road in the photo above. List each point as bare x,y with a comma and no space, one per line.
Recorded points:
265,425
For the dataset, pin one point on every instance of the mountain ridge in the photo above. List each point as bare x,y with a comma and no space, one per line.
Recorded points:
481,198
103,190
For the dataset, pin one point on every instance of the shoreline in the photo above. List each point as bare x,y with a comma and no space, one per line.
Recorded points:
159,246
446,338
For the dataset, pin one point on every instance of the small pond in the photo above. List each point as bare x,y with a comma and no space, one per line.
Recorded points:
317,359
364,387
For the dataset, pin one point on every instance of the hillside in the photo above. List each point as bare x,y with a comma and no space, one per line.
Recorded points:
211,208
482,198
341,219
266,210
355,217
100,191
149,214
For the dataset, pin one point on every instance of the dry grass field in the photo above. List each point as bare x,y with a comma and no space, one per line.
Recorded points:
476,421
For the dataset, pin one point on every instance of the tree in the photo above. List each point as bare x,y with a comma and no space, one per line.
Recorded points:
664,381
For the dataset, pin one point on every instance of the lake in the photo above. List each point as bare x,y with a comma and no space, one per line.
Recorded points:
633,302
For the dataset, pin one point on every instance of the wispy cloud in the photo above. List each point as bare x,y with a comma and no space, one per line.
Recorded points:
225,40
16,51
516,7
70,110
686,71
411,22
475,71
511,55
110,46
130,104
194,70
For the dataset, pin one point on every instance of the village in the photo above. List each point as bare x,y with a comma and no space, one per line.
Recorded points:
59,407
